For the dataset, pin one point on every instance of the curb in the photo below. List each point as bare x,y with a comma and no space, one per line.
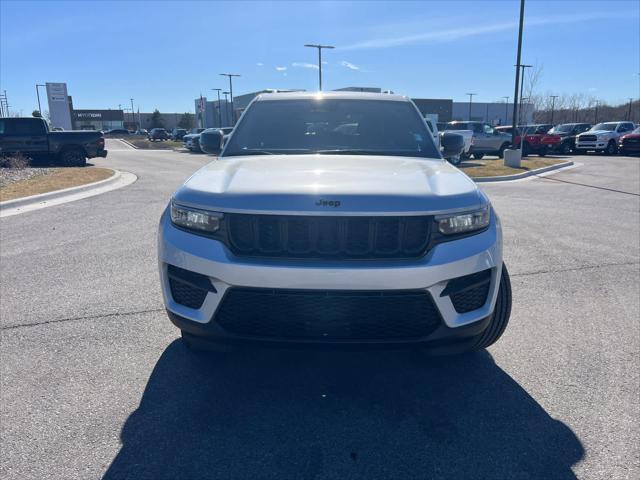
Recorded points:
128,143
519,176
42,200
151,149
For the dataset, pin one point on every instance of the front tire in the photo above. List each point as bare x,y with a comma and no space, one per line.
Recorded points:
500,316
565,149
611,149
502,149
478,156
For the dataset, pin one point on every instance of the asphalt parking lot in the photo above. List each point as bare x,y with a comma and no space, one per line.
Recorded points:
96,384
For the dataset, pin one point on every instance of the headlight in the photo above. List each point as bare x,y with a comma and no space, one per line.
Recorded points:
195,219
464,222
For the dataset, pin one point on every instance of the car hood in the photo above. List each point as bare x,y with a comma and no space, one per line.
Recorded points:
330,184
631,135
598,132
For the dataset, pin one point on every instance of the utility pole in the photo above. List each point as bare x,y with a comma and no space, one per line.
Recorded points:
629,113
319,47
521,90
226,108
133,115
219,111
231,75
553,104
515,93
595,119
470,100
506,109
38,95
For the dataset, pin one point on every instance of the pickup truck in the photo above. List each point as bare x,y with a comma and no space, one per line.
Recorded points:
32,138
191,140
332,218
537,140
603,137
568,133
485,140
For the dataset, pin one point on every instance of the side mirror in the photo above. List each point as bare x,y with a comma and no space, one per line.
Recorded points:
452,144
211,141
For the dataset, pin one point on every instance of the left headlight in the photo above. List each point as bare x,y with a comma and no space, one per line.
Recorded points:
464,222
195,219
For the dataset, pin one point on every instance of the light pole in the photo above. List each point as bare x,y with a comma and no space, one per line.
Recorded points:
522,88
226,108
515,93
629,113
133,116
319,47
38,95
506,109
231,75
219,111
595,116
553,105
470,100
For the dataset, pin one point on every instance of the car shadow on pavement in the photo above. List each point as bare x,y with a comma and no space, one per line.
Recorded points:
337,414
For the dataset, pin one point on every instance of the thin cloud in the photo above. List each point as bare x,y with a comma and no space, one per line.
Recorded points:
304,65
452,34
281,69
350,65
260,64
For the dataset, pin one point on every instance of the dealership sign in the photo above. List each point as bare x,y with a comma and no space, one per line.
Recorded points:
59,109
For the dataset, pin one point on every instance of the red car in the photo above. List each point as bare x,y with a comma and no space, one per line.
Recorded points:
536,138
630,143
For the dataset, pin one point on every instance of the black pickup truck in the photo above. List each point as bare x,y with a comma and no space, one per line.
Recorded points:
32,138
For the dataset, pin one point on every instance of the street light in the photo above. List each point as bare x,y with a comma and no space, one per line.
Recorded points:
553,104
470,99
506,108
521,89
38,95
629,114
219,111
133,117
515,93
319,47
231,75
226,107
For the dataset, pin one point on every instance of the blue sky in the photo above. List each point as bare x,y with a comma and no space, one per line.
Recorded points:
164,53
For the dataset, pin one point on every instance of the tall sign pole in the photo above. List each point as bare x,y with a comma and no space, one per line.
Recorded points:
319,47
515,90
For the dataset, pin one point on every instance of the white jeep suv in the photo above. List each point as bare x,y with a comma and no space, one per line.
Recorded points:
603,137
332,218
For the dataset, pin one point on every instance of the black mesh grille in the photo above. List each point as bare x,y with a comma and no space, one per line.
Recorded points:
186,295
188,288
328,237
471,299
327,315
588,138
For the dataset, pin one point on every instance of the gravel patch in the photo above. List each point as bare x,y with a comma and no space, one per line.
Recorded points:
12,175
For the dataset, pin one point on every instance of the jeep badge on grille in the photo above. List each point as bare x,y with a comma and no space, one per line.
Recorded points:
328,203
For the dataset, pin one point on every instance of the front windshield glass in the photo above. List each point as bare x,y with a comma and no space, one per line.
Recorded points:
562,128
332,125
604,126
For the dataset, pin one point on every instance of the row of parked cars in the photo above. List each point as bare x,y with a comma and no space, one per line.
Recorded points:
191,140
541,139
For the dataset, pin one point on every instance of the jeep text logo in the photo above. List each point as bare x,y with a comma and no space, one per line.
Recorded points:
328,203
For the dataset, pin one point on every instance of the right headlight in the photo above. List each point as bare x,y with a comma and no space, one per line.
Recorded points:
195,219
461,223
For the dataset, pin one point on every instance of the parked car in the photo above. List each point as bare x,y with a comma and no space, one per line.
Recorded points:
630,143
567,133
142,131
31,136
178,133
537,140
603,137
485,139
345,236
158,134
117,132
191,141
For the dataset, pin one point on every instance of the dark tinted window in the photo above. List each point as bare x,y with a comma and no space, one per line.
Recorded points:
328,125
25,126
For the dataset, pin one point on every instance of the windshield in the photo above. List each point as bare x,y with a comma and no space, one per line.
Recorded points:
458,126
604,126
562,128
330,125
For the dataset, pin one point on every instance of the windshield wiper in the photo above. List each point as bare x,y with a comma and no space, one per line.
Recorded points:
249,152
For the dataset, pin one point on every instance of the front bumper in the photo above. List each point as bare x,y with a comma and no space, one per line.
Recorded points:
591,145
432,272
